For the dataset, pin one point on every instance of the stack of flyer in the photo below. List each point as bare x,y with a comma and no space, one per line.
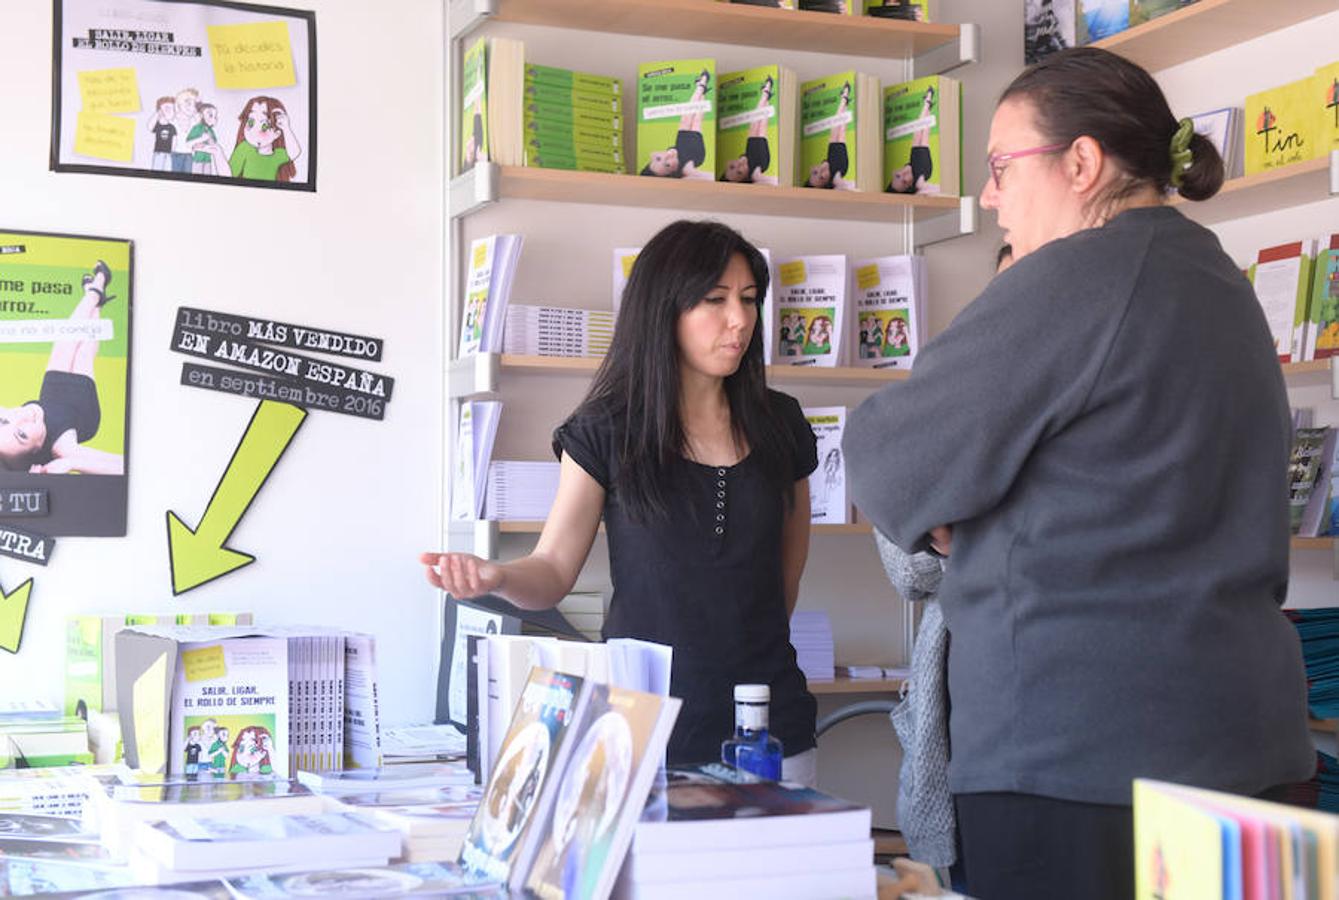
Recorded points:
888,304
557,331
194,849
492,265
117,804
716,831
226,704
811,636
520,491
573,120
54,791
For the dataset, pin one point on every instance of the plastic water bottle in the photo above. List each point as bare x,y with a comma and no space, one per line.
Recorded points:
752,748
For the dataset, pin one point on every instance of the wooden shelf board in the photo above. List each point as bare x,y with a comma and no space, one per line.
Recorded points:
604,188
1304,182
1207,26
855,686
586,365
1308,367
703,21
1312,543
1328,725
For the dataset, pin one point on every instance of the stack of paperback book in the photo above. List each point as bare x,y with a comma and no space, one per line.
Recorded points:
1310,478
716,831
241,702
43,741
520,490
118,803
199,848
1319,631
922,139
811,636
1223,129
430,804
573,120
55,791
557,331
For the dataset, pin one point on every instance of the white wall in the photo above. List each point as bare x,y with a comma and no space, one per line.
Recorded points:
339,525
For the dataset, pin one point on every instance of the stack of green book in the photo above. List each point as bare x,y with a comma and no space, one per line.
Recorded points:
573,120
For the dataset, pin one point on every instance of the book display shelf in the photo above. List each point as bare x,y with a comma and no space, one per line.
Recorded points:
923,48
1205,27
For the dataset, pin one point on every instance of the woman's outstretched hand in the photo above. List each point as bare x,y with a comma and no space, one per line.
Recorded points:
462,575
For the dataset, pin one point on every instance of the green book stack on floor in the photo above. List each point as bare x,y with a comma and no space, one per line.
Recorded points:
573,120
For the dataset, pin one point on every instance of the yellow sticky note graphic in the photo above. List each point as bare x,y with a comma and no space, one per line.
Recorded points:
867,277
627,264
205,663
480,255
109,91
792,272
105,137
149,695
252,56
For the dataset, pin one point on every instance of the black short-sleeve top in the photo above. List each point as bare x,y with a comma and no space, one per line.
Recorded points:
706,580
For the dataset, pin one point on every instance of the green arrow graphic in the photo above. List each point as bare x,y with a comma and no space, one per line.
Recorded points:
198,556
13,613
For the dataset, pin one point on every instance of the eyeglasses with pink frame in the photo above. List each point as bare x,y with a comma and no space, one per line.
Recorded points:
993,161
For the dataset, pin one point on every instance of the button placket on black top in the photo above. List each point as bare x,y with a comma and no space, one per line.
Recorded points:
720,503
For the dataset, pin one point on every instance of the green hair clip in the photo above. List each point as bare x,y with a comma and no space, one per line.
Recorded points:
1181,155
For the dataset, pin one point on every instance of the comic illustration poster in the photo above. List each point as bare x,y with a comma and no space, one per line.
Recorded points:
65,313
195,91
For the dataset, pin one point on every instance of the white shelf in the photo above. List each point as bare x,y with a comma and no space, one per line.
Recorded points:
1207,26
1304,182
936,218
936,47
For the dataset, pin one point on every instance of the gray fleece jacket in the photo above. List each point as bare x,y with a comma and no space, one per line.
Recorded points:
1106,429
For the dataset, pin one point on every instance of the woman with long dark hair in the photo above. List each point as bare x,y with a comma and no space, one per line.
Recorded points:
700,474
1117,514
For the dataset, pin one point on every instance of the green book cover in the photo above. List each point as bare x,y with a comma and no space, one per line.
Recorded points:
543,159
828,132
566,78
570,115
559,132
83,664
1142,11
579,150
574,97
912,157
474,105
676,119
1325,300
748,130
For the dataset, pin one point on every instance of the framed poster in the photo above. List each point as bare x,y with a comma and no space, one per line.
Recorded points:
65,312
191,90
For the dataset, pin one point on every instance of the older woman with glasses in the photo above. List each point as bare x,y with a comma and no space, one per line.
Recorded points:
1101,440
